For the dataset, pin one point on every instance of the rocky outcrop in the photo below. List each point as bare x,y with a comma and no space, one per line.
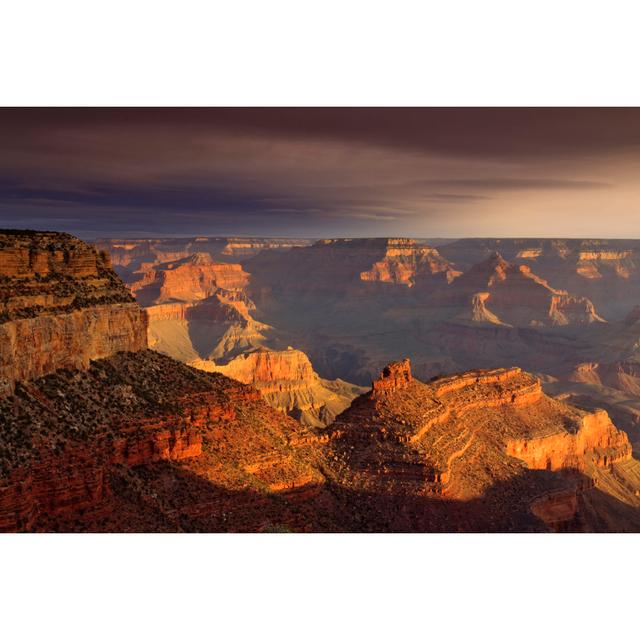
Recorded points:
500,292
394,376
45,273
604,271
470,437
594,434
405,263
287,381
61,305
196,277
69,440
33,347
198,309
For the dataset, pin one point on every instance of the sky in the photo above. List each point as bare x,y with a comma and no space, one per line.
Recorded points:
320,172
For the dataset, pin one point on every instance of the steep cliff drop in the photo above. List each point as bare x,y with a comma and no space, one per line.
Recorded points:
110,436
61,305
99,434
198,309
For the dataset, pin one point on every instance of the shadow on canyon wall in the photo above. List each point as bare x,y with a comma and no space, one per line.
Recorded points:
168,497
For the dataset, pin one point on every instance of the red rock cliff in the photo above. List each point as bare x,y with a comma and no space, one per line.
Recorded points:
61,305
405,262
287,381
193,278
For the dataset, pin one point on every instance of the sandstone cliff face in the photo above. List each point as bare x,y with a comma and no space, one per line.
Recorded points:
61,305
212,329
195,277
405,263
198,309
135,441
287,382
595,434
97,433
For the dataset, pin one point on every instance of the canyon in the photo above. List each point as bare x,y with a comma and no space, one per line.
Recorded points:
199,312
227,424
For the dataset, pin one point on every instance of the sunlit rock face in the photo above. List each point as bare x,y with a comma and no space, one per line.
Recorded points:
141,442
406,263
199,313
287,381
488,439
61,305
98,433
195,277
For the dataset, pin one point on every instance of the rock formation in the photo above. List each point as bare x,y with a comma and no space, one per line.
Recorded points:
287,381
195,277
405,263
81,450
61,305
605,271
98,433
198,309
490,438
199,313
504,293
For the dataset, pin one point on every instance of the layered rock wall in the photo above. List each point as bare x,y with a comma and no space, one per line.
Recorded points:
61,305
595,435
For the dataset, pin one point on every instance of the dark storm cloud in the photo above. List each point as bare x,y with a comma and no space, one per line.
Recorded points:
511,132
307,171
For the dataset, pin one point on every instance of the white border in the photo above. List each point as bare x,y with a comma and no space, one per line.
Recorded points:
331,52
